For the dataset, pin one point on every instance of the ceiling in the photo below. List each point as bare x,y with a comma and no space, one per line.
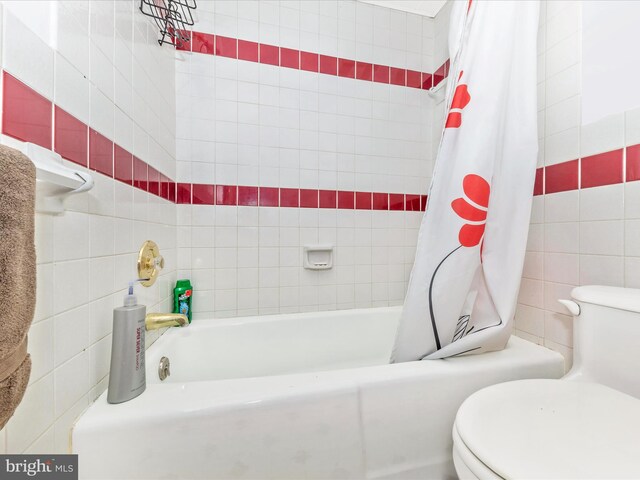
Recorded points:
428,8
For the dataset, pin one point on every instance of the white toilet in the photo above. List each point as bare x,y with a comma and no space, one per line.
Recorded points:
586,425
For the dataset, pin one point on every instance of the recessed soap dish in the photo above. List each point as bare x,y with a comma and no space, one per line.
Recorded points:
318,257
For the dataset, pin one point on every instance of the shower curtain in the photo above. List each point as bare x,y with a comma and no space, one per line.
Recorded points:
464,285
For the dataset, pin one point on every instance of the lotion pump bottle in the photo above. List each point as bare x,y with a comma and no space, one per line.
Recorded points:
127,377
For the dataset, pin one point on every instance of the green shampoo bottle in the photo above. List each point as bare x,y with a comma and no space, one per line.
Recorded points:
182,295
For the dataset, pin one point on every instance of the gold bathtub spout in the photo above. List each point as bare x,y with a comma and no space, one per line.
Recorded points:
154,321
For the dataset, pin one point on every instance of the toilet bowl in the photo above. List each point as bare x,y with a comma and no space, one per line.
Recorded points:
582,426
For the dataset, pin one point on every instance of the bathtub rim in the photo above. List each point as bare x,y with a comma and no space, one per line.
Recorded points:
171,401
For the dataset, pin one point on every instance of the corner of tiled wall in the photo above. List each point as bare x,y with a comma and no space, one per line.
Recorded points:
99,62
584,228
247,121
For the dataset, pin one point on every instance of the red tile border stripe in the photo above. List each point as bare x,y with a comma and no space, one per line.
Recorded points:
601,169
110,159
100,154
210,44
30,117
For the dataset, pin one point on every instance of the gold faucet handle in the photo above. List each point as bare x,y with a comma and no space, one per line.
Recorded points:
154,321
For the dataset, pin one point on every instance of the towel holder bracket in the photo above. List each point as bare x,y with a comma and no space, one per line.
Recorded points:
54,180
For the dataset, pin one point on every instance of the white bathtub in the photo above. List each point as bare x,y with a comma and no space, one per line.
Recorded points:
293,396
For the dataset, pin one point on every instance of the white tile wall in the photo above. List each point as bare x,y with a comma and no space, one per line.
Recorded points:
253,124
578,237
87,255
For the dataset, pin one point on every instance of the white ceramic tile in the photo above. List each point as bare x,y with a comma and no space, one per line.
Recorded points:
71,333
102,113
632,127
531,293
563,85
632,238
71,381
632,272
602,136
30,59
563,115
602,237
563,24
563,54
41,349
562,207
601,270
72,88
602,203
44,444
71,236
561,237
561,268
33,416
530,319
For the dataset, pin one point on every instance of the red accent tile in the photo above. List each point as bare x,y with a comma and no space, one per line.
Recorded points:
202,194
172,191
26,114
363,200
309,61
633,163
381,201
328,198
381,73
140,175
269,197
423,203
412,203
185,45
164,186
183,193
289,197
328,65
396,201
100,153
269,54
439,75
154,181
290,58
561,177
364,71
122,165
247,51
427,81
398,76
414,79
71,137
202,43
346,68
308,198
226,47
601,169
538,186
226,195
346,200
248,196
447,67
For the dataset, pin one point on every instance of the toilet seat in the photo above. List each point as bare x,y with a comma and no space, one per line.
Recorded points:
467,465
548,429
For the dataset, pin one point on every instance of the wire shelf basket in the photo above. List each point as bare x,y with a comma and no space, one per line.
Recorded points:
172,17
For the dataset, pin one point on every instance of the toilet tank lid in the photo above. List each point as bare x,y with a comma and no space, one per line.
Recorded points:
614,297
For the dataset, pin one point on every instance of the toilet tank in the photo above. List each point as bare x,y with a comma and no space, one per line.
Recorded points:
606,337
